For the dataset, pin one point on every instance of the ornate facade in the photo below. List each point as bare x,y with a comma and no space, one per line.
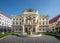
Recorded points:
5,21
54,24
30,20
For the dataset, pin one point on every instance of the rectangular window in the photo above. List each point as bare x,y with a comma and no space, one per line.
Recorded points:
0,18
20,18
13,19
0,15
40,23
16,18
37,20
26,21
16,22
0,22
20,22
33,20
43,18
46,23
58,22
13,22
33,17
46,18
43,23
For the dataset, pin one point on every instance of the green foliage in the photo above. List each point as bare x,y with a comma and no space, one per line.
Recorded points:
51,33
8,33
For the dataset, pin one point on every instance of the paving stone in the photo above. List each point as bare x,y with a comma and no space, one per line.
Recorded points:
42,39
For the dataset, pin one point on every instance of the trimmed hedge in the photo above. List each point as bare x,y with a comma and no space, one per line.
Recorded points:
8,33
51,33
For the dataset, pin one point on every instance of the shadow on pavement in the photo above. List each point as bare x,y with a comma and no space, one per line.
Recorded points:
20,35
58,38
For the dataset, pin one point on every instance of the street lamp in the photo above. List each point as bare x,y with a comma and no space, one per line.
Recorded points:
2,29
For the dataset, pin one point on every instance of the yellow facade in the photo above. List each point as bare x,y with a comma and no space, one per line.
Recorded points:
37,22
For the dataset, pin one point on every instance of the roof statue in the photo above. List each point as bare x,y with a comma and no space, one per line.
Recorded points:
30,10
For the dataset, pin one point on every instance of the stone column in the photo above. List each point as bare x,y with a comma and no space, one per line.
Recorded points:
36,29
24,20
23,29
27,30
31,31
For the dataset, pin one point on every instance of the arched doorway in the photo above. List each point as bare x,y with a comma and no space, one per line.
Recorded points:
33,29
26,29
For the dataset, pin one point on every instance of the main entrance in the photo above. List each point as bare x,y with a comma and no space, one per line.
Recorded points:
28,30
33,29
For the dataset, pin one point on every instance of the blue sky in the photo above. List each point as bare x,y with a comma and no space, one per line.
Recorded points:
15,7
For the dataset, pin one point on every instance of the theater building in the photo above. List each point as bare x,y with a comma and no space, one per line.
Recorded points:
30,20
54,24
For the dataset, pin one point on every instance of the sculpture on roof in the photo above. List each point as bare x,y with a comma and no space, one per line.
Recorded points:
30,10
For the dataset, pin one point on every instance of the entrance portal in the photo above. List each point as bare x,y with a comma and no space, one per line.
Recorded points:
26,30
33,29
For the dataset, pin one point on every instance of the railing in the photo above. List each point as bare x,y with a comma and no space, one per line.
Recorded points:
35,23
30,23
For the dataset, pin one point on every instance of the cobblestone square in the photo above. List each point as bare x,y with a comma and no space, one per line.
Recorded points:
42,39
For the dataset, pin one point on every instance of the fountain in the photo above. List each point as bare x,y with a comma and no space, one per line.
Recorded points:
30,30
29,25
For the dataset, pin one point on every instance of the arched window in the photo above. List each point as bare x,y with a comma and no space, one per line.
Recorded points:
20,23
33,20
13,22
43,23
13,19
59,22
16,18
17,23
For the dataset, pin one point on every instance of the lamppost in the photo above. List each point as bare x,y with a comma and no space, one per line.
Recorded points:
2,29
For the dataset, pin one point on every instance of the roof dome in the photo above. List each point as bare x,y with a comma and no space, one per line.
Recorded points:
30,10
